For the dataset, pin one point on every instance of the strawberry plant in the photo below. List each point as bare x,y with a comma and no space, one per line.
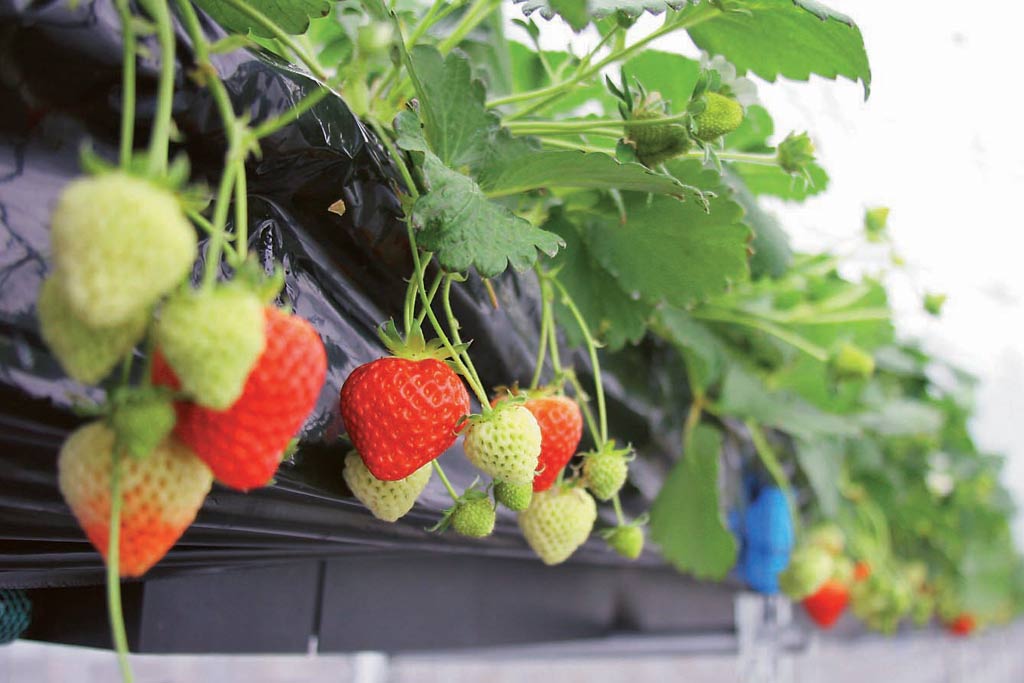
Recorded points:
623,184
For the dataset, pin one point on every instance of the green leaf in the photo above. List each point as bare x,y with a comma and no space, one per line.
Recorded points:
902,417
686,520
773,38
743,395
456,124
699,346
673,251
528,73
762,179
570,9
465,229
772,254
822,463
292,16
554,169
671,75
614,317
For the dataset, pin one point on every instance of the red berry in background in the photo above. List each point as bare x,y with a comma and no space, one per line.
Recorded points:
402,411
861,571
826,605
963,625
243,445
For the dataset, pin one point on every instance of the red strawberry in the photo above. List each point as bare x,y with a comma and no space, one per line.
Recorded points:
861,571
401,411
561,427
963,625
827,604
243,445
160,494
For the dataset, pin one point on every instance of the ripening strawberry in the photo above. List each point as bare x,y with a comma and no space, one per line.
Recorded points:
211,338
119,244
402,411
504,443
161,494
561,427
722,116
387,500
243,445
810,566
826,605
86,353
558,522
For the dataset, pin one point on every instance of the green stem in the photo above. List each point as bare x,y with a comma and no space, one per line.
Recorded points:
160,137
114,608
477,12
553,92
127,82
692,418
438,329
545,324
215,246
591,345
453,326
566,144
241,215
292,114
618,510
588,414
790,338
410,302
277,32
396,158
430,295
767,454
444,480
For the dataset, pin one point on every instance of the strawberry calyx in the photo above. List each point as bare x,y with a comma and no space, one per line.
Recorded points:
141,418
174,179
414,346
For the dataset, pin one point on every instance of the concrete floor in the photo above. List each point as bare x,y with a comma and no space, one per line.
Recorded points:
995,657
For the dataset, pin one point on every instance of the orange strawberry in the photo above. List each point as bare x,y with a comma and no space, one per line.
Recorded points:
161,494
243,445
561,427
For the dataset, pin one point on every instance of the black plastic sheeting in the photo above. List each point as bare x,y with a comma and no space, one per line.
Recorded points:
60,85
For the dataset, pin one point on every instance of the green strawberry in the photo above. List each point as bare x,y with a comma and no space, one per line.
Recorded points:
722,115
627,541
809,568
558,522
851,362
795,153
655,143
474,517
119,244
212,339
86,353
515,497
142,418
505,443
605,471
933,303
387,500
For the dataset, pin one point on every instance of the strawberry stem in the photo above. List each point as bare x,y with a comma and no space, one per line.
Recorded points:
277,32
595,365
159,139
453,326
545,325
114,609
444,480
430,296
618,509
127,82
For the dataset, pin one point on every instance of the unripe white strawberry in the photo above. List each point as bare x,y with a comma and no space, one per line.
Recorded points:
558,522
387,500
505,443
